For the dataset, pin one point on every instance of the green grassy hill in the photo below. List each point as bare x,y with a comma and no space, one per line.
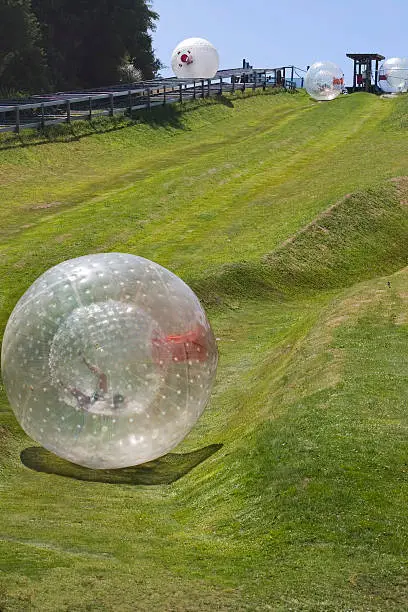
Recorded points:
287,218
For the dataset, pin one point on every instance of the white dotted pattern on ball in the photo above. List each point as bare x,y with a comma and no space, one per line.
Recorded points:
324,81
108,360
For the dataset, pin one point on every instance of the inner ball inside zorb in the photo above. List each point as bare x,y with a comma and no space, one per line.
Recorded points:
324,81
100,359
108,360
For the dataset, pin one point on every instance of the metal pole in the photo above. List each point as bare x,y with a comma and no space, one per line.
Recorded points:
68,111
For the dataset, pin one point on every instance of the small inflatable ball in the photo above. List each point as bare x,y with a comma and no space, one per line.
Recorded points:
324,81
195,58
108,360
393,75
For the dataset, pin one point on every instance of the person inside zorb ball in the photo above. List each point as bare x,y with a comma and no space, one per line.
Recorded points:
324,81
195,58
108,360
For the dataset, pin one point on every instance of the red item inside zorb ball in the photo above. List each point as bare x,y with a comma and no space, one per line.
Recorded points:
184,58
188,346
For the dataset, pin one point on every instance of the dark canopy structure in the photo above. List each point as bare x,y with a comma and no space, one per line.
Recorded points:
364,74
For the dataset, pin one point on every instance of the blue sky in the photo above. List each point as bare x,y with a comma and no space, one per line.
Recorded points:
270,33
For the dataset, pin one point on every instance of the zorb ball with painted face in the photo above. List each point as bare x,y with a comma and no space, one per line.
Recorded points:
324,81
393,76
195,58
108,360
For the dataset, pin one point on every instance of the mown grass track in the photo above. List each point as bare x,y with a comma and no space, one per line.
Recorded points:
303,508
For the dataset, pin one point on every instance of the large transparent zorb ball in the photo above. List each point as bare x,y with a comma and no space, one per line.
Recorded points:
195,58
393,75
108,360
324,81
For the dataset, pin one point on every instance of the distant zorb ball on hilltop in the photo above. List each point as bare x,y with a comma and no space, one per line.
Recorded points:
393,76
324,81
108,360
195,58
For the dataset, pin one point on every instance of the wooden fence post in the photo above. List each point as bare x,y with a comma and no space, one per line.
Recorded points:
17,128
90,108
130,102
68,111
42,116
202,89
164,96
149,99
233,83
254,81
221,86
181,92
111,105
209,88
194,90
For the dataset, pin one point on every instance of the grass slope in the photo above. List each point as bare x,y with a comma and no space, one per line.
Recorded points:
303,508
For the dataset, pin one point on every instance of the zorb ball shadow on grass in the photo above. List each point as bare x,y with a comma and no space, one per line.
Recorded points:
108,360
393,75
324,81
195,58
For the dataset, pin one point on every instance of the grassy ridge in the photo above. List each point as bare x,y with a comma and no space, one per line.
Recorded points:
361,236
303,506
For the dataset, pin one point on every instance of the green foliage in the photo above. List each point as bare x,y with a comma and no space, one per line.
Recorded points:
22,62
88,41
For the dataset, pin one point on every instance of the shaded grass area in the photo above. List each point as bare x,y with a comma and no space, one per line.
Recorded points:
164,470
303,505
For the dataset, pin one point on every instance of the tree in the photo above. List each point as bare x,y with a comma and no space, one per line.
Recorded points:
22,61
88,41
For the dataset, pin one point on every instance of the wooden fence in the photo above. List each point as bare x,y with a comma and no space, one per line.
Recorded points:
65,108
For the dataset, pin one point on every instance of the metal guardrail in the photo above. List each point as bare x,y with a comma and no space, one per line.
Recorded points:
71,106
